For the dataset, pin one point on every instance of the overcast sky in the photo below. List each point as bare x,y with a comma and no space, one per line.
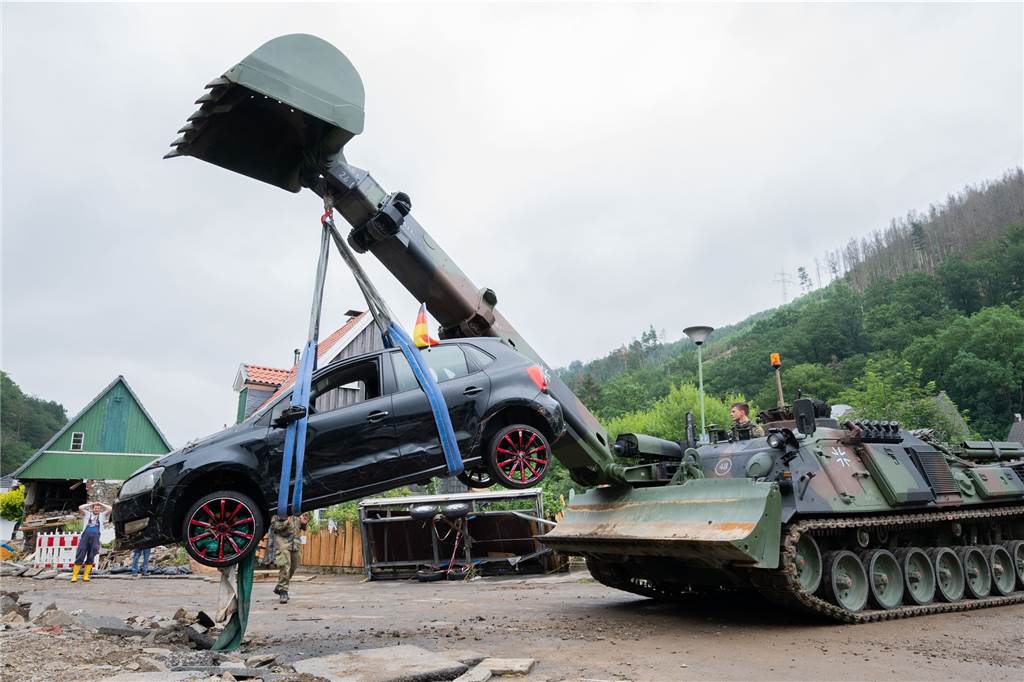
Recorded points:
600,167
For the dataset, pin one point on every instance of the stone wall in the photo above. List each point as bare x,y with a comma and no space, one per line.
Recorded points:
102,491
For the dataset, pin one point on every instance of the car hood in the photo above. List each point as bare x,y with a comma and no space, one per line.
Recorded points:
182,453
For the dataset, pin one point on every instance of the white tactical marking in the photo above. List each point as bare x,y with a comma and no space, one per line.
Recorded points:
841,457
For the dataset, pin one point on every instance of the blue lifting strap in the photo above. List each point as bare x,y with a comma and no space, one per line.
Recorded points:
393,335
396,336
295,434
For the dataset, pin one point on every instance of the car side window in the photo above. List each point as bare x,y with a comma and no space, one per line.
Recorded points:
280,407
445,363
346,386
481,358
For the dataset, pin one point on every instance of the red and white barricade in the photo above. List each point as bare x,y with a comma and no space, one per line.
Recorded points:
56,550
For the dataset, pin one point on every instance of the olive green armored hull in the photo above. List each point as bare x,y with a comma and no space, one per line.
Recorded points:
847,523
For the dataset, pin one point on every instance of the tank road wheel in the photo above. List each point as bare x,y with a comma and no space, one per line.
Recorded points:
918,574
976,571
808,564
885,579
518,457
846,581
476,478
1016,550
222,528
1003,574
949,573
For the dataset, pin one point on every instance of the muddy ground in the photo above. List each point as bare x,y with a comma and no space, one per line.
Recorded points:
574,627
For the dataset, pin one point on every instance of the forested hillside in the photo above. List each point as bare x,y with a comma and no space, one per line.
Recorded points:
934,303
26,422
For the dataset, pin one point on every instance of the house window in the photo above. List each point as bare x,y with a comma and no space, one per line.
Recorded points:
77,438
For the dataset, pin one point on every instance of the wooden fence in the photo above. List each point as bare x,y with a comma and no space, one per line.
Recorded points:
343,548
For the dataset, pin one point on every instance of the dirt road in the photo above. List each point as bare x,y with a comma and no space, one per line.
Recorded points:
576,628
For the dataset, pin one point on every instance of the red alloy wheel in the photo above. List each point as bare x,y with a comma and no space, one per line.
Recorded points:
222,528
519,456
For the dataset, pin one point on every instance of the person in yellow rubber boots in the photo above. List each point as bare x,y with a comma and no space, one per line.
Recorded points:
287,545
94,517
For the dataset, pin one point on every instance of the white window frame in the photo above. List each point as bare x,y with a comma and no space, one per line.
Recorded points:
81,443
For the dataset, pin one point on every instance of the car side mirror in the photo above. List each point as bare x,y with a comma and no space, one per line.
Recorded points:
803,413
292,413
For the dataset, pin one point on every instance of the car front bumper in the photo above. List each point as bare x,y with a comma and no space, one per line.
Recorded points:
139,523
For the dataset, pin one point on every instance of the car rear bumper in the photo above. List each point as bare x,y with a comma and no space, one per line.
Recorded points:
551,410
139,523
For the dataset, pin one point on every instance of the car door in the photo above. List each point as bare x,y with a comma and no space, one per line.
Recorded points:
350,439
466,392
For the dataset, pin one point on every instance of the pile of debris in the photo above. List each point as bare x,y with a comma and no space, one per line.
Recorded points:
163,560
62,646
58,645
165,568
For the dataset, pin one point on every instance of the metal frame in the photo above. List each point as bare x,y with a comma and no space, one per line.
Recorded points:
387,505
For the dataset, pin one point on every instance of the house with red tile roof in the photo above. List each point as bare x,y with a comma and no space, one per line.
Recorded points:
258,384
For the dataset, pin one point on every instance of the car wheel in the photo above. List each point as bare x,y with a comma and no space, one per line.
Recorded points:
222,528
518,456
476,478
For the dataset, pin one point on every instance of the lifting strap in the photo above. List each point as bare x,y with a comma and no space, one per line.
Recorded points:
295,435
394,336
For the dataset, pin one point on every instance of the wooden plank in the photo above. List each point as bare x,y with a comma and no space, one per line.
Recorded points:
357,544
347,559
339,548
314,558
326,549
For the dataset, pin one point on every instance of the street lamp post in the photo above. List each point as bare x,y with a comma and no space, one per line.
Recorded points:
699,335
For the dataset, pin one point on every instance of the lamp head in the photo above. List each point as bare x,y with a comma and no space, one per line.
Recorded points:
698,334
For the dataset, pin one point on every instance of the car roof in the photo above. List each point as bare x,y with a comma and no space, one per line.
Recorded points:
476,340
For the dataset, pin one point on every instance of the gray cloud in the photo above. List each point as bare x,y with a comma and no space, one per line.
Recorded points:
601,167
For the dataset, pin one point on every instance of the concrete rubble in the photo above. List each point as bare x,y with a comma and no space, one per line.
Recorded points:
54,645
508,666
401,663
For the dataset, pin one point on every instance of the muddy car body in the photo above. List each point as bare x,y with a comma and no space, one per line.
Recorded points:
370,429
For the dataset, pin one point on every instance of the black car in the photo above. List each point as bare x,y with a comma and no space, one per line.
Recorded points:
370,429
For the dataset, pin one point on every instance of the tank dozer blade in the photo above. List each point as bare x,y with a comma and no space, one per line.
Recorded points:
294,101
715,522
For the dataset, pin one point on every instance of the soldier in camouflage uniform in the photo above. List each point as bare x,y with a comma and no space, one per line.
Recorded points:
284,534
740,413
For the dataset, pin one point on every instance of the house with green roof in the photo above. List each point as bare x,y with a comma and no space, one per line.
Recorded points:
101,446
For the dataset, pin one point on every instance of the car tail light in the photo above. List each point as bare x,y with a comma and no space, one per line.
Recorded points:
539,377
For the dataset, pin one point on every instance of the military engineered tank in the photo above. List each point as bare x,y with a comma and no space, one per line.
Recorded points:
859,521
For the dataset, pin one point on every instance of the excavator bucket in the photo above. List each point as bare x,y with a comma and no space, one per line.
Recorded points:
711,521
278,113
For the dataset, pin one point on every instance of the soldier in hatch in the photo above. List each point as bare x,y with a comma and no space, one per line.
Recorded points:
284,534
740,413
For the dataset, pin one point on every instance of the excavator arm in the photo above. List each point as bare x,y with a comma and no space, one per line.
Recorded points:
383,225
283,115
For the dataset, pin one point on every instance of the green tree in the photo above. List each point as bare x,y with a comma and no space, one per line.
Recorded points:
667,417
891,389
622,394
979,361
897,312
26,423
960,284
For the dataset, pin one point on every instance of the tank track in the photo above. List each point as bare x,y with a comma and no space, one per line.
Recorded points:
782,586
